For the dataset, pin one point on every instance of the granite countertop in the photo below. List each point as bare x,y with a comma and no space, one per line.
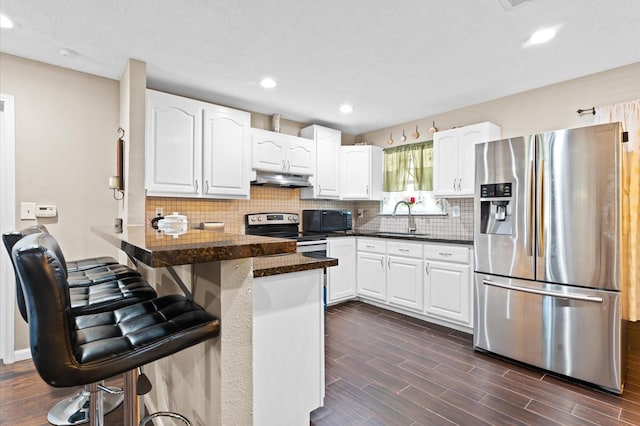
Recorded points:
294,262
400,236
157,249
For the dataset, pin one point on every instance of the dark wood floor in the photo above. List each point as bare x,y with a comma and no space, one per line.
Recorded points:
25,399
383,368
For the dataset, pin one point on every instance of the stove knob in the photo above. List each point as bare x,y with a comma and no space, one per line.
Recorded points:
259,218
292,219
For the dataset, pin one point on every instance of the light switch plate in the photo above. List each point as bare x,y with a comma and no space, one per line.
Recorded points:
27,211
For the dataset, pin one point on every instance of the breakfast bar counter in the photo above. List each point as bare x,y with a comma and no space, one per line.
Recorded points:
157,249
269,301
285,264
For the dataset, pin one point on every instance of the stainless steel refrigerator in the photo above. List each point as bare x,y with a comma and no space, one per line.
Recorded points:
547,213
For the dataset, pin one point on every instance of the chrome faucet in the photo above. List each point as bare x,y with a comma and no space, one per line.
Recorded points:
412,222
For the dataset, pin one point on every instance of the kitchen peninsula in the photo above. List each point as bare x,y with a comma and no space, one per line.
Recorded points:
237,379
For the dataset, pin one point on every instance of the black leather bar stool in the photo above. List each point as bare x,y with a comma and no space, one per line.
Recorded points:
105,286
72,350
72,265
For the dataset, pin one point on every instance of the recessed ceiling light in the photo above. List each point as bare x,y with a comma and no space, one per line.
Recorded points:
5,22
268,83
542,36
346,109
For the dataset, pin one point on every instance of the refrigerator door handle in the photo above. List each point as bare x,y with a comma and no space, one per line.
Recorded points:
540,213
530,212
570,296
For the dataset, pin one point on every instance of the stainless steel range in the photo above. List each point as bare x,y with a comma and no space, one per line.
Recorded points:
285,225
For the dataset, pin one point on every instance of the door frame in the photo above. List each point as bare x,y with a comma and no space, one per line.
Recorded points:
7,222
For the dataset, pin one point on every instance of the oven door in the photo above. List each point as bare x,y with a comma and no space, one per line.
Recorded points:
569,330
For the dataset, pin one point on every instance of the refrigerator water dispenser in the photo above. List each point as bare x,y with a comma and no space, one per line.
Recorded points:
495,209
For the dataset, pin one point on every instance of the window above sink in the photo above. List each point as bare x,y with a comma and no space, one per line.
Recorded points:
408,176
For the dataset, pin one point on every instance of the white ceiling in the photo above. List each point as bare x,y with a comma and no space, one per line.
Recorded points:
395,61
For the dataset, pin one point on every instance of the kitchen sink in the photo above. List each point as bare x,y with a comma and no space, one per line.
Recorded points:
401,235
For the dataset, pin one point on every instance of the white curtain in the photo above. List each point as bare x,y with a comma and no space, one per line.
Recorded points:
628,113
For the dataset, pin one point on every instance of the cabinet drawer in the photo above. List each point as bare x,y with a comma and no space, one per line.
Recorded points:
405,249
447,253
372,245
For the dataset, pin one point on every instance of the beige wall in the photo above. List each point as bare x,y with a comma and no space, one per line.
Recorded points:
548,108
66,128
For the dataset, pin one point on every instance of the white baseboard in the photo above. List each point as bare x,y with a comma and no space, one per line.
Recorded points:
22,354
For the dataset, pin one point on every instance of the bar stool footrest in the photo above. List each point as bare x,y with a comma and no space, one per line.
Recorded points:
164,414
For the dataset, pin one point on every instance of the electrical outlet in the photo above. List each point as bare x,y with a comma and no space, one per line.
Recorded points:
455,211
159,211
360,212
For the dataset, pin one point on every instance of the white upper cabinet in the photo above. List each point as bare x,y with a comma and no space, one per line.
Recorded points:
301,155
361,172
226,152
173,146
268,151
454,158
277,152
195,149
326,183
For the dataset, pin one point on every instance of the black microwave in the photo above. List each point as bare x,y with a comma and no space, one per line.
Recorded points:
326,220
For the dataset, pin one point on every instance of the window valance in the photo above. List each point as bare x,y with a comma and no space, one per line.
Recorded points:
408,160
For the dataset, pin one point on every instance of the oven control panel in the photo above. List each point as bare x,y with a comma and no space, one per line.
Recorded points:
272,218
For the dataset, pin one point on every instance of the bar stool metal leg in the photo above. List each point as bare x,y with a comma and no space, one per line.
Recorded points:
131,401
96,415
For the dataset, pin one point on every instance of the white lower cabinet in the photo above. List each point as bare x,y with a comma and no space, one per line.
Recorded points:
288,348
371,269
448,291
371,276
341,279
448,283
405,287
431,281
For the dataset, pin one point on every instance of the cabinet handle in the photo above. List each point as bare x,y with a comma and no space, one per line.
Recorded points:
288,165
206,186
389,263
283,166
381,263
367,189
319,189
441,253
401,249
459,184
427,268
196,182
368,246
454,184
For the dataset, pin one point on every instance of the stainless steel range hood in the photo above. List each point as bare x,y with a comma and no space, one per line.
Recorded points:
280,179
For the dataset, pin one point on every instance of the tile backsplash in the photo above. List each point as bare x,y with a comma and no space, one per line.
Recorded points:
273,199
264,199
443,226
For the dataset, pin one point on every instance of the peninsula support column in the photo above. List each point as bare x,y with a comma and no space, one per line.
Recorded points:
225,289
